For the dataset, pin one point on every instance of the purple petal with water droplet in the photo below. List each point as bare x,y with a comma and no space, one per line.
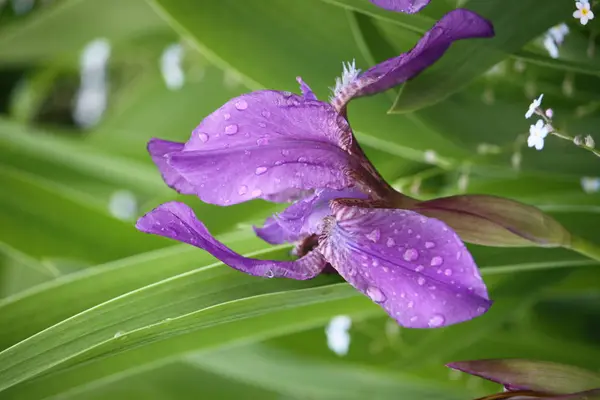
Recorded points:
306,90
281,143
159,151
420,285
456,25
304,217
404,6
177,221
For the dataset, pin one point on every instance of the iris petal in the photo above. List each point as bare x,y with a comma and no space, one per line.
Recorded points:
404,6
456,25
261,145
415,267
177,221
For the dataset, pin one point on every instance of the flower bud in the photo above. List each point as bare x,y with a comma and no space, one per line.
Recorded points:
496,221
546,379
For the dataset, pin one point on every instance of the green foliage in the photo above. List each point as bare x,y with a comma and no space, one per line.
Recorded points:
90,308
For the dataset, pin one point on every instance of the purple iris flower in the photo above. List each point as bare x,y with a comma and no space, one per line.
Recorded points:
282,147
404,6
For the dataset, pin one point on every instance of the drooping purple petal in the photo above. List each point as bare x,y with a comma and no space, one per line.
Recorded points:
404,6
415,267
306,90
177,221
261,145
456,25
304,217
159,151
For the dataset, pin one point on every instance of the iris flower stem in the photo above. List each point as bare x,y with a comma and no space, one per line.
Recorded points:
585,247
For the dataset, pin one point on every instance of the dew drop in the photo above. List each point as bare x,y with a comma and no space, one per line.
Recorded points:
243,190
436,321
301,159
421,281
285,152
260,170
390,242
203,137
448,272
247,152
262,141
411,304
231,129
429,245
256,192
266,114
419,268
226,116
437,260
118,334
480,310
375,294
375,263
269,273
241,105
411,255
374,235
262,124
386,269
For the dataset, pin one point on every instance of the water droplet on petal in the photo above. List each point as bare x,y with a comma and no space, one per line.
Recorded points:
269,273
301,159
262,124
266,114
374,235
231,129
421,281
243,190
411,255
262,141
285,152
226,116
480,310
437,260
419,268
436,321
241,104
256,192
375,294
411,304
260,170
448,272
203,137
390,242
386,269
429,245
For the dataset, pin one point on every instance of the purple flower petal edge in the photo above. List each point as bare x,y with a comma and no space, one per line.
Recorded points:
177,221
456,25
403,6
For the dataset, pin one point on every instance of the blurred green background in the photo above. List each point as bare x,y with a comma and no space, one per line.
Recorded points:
92,309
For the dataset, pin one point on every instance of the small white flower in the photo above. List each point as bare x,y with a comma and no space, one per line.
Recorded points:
349,75
583,12
338,338
558,33
537,134
534,105
590,184
551,46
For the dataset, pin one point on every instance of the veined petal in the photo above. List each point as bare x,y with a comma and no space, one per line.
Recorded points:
262,144
404,6
415,267
177,221
304,217
159,151
456,25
